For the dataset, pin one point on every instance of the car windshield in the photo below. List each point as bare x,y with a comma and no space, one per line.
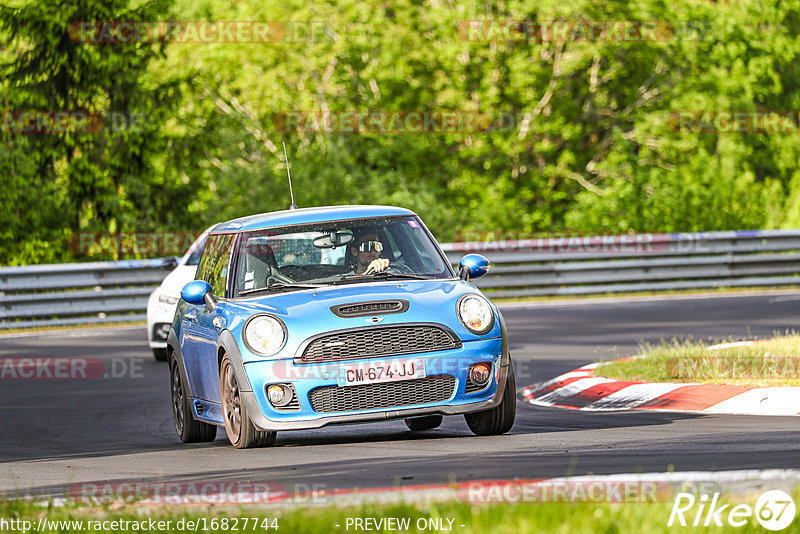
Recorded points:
309,255
194,253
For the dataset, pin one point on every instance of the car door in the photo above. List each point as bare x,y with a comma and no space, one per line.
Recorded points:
202,327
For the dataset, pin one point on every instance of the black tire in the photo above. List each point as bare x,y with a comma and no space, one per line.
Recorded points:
429,422
160,355
241,431
189,429
499,419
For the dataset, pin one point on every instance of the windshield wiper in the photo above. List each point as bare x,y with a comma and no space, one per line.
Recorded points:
383,275
279,286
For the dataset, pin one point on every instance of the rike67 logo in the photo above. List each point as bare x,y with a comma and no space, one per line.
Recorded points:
774,510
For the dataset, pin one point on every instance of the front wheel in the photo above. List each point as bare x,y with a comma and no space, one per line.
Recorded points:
241,431
189,429
160,355
429,422
499,419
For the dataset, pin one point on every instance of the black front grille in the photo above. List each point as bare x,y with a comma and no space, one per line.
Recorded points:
328,399
363,309
381,341
472,388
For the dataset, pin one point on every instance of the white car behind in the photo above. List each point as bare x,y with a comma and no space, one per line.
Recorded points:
164,299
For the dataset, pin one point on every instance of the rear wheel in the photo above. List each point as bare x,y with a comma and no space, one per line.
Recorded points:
499,419
241,431
429,422
160,355
189,429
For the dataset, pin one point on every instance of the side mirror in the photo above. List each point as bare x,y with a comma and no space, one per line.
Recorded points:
472,266
169,263
195,292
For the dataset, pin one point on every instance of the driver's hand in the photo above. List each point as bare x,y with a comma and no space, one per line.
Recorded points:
376,266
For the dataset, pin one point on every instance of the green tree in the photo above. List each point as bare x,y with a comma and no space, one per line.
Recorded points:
116,178
581,138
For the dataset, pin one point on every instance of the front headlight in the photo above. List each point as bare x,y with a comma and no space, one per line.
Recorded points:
264,334
475,313
163,298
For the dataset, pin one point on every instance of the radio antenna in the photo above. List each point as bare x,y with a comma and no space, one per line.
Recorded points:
293,206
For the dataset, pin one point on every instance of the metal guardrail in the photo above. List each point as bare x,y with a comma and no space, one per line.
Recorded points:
70,294
645,262
77,293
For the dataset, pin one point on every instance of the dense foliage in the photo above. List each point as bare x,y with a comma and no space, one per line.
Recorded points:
578,134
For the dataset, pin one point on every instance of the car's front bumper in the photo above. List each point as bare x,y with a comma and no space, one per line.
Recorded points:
159,320
307,377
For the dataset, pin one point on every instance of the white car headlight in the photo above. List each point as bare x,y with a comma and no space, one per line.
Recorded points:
475,313
163,298
264,335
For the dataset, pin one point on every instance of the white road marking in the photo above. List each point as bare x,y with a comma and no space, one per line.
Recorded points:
570,390
632,396
761,401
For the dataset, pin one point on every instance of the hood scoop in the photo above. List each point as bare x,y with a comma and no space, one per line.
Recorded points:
370,308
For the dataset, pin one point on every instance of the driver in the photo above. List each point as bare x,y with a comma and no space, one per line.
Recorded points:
366,250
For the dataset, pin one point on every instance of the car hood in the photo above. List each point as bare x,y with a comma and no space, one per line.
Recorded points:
307,313
179,277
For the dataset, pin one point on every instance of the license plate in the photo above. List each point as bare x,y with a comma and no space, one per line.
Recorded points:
376,372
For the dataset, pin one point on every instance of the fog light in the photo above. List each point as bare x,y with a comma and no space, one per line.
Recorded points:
479,373
161,331
279,395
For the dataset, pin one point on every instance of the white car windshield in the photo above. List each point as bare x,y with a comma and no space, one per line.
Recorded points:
302,256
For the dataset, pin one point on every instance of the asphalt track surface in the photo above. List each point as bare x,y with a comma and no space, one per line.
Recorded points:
58,433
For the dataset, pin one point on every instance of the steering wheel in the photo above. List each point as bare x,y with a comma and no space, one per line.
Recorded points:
400,268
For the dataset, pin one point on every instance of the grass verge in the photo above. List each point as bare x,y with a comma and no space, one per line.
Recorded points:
645,294
774,362
456,517
35,329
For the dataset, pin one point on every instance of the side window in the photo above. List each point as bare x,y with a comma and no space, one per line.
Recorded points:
213,266
196,250
202,265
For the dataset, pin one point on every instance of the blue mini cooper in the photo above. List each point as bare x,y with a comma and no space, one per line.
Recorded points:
311,317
